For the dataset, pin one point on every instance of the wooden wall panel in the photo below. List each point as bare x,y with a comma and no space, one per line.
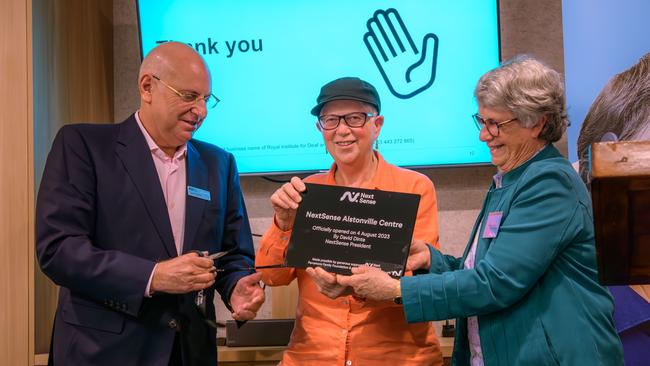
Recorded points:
284,300
16,187
73,83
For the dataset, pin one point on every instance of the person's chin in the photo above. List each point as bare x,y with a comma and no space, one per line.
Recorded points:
346,157
497,156
184,137
496,161
349,149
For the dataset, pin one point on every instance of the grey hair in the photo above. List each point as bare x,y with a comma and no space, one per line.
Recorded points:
530,90
369,107
622,107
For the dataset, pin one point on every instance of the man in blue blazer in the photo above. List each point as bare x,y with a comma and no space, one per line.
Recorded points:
125,215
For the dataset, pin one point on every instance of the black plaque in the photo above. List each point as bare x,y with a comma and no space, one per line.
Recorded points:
339,228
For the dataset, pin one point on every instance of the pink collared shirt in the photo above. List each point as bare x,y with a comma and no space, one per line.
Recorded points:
173,181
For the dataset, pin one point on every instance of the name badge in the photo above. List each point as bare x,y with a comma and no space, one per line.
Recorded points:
198,193
492,225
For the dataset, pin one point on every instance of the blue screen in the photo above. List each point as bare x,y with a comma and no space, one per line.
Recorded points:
268,60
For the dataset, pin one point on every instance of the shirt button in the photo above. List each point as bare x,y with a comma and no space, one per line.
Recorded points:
172,324
348,362
343,331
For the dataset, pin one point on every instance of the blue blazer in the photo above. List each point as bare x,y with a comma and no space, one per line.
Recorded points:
101,226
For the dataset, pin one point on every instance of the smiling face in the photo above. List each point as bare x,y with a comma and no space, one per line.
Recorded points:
515,144
169,120
351,146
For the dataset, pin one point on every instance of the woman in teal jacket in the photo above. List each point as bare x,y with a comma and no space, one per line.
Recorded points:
525,291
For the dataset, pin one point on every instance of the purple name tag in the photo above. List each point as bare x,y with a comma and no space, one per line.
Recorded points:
492,225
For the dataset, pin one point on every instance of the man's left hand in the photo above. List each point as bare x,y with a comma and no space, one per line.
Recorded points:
247,297
371,283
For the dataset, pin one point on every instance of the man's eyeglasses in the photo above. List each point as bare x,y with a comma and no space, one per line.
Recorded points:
353,120
491,125
210,100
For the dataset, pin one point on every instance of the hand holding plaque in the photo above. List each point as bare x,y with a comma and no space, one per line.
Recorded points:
339,228
419,256
285,201
371,283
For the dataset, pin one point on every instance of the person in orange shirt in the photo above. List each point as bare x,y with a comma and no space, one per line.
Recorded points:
332,326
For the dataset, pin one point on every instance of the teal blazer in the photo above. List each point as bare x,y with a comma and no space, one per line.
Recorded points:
534,287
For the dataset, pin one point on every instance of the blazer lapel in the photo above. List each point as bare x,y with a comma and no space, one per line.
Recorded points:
134,153
197,177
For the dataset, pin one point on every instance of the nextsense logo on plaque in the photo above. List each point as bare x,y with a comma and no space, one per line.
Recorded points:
339,228
360,197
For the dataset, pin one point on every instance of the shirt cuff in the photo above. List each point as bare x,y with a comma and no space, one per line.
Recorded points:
147,291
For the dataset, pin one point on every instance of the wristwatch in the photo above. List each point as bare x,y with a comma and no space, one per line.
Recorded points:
398,294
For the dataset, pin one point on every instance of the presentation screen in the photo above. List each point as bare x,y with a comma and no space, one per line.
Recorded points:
269,59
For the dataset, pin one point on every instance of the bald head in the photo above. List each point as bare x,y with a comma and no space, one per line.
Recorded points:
172,60
174,86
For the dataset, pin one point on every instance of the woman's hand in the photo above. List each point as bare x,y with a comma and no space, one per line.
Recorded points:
285,202
419,256
371,283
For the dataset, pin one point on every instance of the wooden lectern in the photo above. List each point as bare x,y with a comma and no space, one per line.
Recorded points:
620,191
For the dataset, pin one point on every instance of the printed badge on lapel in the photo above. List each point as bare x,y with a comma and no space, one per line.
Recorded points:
198,193
492,225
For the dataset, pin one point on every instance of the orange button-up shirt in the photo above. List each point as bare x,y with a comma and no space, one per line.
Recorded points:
348,331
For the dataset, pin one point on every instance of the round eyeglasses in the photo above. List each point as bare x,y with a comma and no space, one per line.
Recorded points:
210,100
352,120
491,125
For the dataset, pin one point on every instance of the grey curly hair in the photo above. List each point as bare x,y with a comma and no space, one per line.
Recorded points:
530,90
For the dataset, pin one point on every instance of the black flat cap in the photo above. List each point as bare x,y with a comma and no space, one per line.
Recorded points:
347,88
